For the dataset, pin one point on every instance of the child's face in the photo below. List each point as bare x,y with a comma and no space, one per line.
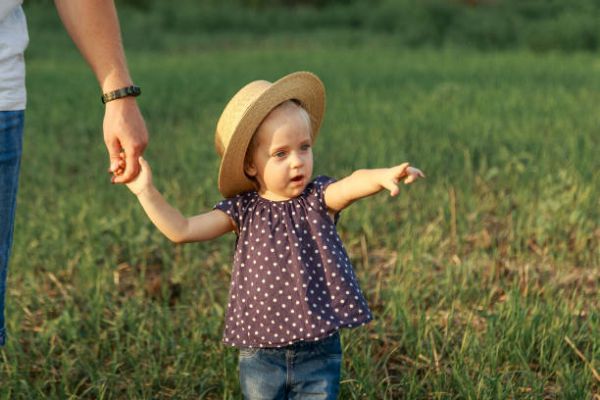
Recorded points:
281,158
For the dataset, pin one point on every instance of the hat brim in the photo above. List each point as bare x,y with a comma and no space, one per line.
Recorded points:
304,87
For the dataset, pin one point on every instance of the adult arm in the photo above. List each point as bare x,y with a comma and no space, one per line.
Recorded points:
94,27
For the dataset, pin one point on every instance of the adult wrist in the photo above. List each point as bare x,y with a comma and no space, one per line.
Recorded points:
126,91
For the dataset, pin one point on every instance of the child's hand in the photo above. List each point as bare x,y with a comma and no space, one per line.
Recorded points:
143,180
393,175
119,169
413,174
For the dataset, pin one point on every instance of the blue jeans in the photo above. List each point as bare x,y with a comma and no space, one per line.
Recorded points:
11,142
304,370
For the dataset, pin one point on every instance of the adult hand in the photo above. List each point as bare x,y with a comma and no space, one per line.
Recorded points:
124,131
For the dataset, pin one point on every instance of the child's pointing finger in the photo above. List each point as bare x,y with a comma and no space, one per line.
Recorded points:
413,174
400,171
391,186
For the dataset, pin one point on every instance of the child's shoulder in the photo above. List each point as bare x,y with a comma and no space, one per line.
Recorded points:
319,183
237,202
322,181
316,188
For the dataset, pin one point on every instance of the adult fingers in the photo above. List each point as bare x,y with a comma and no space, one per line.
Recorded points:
122,165
114,149
132,167
123,121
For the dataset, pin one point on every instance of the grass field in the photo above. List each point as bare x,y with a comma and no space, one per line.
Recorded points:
483,278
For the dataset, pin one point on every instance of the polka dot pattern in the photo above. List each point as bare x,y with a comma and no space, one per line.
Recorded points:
292,279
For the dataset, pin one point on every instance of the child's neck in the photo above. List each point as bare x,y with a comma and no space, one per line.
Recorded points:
275,196
272,196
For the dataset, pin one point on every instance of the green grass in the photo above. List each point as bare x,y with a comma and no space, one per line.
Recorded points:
476,275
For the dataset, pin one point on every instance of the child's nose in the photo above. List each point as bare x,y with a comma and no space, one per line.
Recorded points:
296,160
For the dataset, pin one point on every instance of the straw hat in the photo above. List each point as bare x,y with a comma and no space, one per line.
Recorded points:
245,112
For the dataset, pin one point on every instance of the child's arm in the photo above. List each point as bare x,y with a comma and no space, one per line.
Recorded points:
366,182
169,220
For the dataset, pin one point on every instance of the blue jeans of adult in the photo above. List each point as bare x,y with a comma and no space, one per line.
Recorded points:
304,370
11,144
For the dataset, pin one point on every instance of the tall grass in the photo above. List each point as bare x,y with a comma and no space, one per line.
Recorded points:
550,25
483,278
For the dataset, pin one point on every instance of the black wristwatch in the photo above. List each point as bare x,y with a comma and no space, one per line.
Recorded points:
120,93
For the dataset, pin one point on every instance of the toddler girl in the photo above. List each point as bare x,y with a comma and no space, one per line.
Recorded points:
292,287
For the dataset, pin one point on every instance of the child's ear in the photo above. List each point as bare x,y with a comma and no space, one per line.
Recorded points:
250,169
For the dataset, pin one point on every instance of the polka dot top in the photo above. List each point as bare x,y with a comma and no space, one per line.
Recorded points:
292,279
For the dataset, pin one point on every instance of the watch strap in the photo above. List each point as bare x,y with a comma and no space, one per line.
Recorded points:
120,93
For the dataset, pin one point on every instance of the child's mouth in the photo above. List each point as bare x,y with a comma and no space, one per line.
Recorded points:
298,178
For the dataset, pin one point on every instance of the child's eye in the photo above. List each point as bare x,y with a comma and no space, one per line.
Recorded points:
305,147
279,154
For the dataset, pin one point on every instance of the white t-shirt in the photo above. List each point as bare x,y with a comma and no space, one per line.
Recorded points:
13,41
